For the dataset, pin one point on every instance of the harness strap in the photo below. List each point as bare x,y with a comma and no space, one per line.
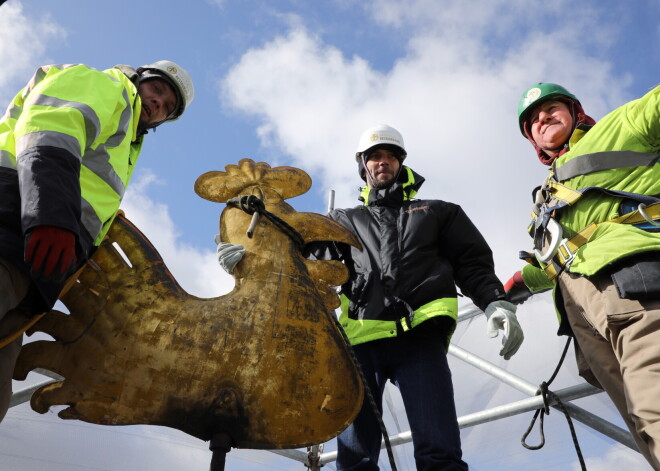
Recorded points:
563,193
568,248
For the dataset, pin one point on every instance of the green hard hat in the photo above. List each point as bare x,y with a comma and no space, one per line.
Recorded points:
537,94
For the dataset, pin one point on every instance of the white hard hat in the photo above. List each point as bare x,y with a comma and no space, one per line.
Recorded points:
177,77
378,135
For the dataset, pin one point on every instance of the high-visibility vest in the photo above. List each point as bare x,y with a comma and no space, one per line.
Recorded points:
618,158
93,115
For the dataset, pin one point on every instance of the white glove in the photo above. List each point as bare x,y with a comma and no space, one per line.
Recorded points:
501,315
228,254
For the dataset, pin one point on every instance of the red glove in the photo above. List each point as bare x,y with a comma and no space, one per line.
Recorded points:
515,281
48,248
516,290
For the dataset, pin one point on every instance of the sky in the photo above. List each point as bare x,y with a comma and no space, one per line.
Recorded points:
295,82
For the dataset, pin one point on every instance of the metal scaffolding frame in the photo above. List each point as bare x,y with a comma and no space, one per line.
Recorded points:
314,458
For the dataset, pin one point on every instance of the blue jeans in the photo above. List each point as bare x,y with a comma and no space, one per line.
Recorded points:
416,363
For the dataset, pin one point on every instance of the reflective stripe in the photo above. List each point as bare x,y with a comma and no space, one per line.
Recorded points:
598,161
90,220
13,112
124,122
7,160
48,138
98,162
365,330
408,194
40,74
36,78
92,123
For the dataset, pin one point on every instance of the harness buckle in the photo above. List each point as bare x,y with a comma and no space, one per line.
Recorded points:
640,208
565,260
553,232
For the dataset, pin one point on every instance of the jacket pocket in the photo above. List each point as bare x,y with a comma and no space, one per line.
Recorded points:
357,296
638,279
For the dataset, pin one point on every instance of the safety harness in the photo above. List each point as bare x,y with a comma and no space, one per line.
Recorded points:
555,252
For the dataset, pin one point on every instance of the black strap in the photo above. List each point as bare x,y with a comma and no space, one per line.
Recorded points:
252,204
545,392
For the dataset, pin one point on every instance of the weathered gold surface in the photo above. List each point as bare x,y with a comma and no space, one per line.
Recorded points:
265,363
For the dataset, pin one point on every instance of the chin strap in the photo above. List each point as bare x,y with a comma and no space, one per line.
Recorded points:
367,173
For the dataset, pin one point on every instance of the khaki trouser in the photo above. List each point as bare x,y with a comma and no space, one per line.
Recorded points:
620,342
13,290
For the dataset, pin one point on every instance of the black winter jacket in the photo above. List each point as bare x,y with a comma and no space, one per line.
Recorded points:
415,253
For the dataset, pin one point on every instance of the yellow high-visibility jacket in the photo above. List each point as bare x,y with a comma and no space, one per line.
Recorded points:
69,141
620,153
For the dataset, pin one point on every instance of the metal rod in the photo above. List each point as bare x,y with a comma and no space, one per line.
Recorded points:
24,395
468,312
601,425
331,200
490,415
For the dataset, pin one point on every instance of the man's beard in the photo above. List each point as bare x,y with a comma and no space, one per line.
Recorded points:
144,127
382,184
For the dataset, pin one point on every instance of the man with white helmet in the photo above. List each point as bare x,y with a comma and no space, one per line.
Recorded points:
399,306
69,142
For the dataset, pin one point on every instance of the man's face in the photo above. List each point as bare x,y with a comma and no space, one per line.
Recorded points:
158,101
383,165
551,124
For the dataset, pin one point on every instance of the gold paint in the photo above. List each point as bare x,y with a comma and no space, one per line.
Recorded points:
260,363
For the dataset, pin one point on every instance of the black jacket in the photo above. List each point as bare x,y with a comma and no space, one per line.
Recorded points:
414,254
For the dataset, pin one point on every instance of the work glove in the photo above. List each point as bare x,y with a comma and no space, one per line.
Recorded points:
516,290
228,254
501,315
50,252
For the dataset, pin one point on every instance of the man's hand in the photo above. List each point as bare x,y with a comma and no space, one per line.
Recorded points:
516,290
228,254
501,315
50,252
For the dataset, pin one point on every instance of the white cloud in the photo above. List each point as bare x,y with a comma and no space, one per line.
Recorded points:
23,41
196,270
453,96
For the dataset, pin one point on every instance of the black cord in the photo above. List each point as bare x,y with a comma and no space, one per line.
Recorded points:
545,393
252,204
370,397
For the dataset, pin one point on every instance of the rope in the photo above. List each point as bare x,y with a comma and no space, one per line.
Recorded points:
254,205
370,397
4,341
21,330
546,394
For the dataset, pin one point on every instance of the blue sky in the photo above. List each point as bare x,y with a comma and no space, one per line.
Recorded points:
294,82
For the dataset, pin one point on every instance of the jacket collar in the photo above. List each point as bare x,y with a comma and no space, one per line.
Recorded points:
404,188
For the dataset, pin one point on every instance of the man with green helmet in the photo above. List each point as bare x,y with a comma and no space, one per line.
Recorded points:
596,232
69,142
